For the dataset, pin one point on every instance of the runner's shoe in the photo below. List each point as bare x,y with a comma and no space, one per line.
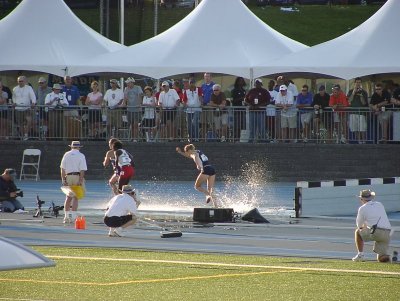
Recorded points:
358,257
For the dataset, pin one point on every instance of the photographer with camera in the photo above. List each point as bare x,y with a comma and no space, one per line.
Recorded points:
9,192
372,225
358,99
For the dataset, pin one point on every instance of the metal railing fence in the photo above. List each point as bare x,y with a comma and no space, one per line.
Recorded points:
233,124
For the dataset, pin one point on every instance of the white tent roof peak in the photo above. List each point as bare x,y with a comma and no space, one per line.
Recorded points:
368,49
46,36
221,36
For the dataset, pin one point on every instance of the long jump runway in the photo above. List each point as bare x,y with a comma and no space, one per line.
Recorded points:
305,237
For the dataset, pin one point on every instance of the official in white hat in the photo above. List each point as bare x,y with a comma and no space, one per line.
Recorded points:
73,167
372,225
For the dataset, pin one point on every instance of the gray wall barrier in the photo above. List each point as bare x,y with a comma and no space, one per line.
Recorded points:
333,198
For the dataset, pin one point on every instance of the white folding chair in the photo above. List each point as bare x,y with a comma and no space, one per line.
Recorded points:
30,161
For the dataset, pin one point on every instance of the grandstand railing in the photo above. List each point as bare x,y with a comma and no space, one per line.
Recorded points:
207,124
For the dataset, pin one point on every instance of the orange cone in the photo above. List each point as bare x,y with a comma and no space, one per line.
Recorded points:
78,222
83,223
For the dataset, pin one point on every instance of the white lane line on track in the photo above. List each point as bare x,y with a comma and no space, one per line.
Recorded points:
147,280
227,265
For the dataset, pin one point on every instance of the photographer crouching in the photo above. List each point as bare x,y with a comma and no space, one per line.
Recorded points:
9,192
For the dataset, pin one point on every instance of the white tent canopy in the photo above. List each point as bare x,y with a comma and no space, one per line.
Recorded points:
221,36
46,36
370,48
16,256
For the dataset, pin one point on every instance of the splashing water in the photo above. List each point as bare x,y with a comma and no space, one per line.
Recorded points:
248,190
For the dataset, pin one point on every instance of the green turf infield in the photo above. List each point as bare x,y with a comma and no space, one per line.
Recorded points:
120,274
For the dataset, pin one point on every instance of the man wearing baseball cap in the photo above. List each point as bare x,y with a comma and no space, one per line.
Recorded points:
257,99
114,98
168,101
133,95
8,192
372,225
285,102
121,211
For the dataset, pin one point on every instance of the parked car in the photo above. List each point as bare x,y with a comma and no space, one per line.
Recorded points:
177,3
274,2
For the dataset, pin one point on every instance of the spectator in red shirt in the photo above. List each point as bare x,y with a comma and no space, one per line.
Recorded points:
338,101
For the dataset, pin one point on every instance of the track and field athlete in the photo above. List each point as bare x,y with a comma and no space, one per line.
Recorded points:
109,159
124,163
207,171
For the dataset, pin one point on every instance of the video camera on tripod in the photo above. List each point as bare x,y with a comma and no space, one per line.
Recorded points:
53,209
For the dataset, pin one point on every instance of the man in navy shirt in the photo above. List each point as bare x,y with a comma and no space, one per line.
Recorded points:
207,114
70,116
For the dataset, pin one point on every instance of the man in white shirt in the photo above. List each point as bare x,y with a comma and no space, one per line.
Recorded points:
168,101
285,102
193,100
54,102
24,99
372,225
114,99
73,167
121,211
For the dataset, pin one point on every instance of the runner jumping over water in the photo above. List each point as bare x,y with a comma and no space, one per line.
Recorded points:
207,171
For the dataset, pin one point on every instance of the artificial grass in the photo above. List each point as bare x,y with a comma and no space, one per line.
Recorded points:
152,279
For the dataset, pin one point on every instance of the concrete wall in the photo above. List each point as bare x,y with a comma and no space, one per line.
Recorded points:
274,162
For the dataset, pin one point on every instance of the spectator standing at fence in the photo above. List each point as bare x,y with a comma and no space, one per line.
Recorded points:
238,94
358,99
338,101
257,99
168,101
304,101
41,93
133,97
219,102
207,116
193,100
372,225
114,100
395,100
55,102
180,120
72,126
73,167
4,113
8,91
272,121
24,100
150,121
321,116
94,101
380,99
285,102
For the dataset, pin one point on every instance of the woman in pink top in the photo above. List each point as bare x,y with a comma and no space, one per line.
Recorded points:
94,101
